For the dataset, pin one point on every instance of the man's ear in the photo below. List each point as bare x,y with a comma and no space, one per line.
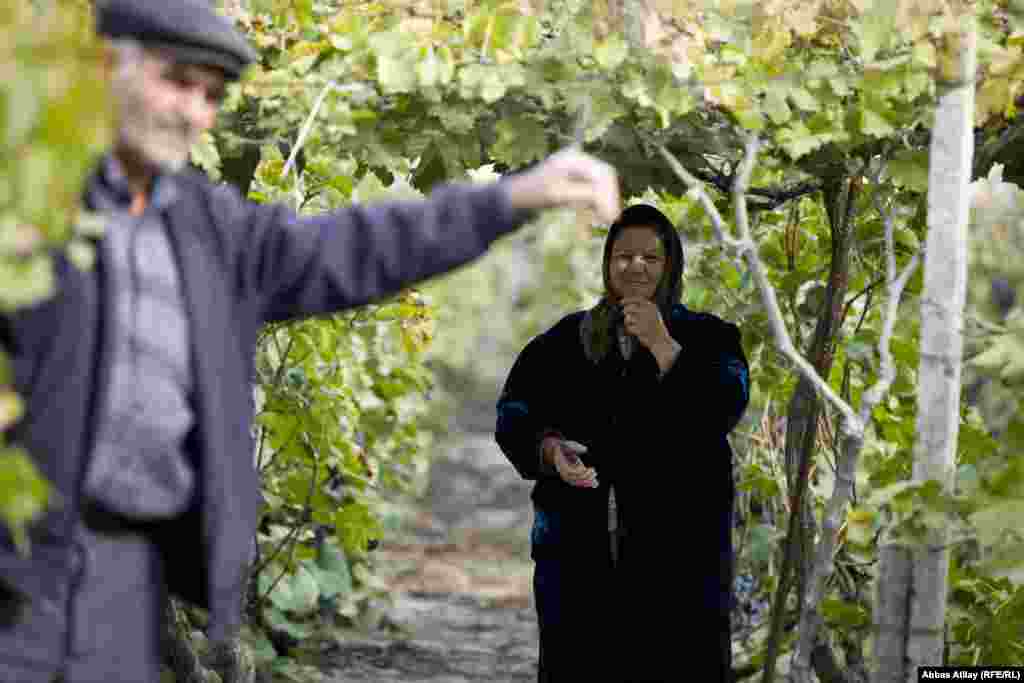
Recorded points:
108,59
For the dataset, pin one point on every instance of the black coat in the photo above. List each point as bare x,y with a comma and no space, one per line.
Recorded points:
242,265
662,443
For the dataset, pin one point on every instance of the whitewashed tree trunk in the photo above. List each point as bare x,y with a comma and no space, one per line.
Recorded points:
892,605
942,316
909,632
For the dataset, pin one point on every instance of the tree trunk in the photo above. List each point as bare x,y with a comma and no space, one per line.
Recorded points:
840,199
917,622
942,321
804,411
891,608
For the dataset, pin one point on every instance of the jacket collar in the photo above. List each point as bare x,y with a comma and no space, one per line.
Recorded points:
108,189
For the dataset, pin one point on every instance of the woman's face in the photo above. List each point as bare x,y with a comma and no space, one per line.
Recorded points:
637,262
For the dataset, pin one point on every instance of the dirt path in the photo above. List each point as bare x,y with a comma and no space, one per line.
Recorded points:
454,638
460,576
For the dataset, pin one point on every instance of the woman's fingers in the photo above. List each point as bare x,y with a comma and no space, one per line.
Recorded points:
574,472
570,468
585,477
642,319
589,482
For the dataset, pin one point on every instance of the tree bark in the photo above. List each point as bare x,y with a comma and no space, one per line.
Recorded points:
892,605
942,316
804,411
840,199
917,622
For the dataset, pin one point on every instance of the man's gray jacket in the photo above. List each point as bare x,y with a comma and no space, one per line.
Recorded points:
241,265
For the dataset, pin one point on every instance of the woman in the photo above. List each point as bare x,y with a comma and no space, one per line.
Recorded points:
621,414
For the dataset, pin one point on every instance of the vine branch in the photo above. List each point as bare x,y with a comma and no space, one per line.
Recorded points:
853,441
748,250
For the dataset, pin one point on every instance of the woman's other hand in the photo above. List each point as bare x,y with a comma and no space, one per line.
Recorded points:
560,454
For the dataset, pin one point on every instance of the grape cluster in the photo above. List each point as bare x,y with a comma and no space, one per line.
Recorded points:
750,606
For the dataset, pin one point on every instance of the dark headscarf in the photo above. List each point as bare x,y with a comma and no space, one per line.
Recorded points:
601,324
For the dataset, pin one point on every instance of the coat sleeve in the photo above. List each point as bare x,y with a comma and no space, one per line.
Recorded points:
523,414
712,373
308,265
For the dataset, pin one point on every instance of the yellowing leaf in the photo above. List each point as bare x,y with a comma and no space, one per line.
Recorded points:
906,237
776,107
340,41
802,17
874,30
798,140
840,86
770,42
369,188
994,521
751,119
874,124
11,409
30,281
24,494
204,154
492,89
19,108
521,140
395,75
428,70
611,53
804,99
993,99
82,254
860,516
604,110
396,61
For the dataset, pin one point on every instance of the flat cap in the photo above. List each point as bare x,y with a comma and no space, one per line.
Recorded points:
187,29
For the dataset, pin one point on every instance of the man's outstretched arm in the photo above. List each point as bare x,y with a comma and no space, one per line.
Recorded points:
310,265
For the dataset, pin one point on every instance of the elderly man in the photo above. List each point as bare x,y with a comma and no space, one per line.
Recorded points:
136,375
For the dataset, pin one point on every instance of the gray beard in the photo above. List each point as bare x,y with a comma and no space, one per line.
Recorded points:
153,147
163,145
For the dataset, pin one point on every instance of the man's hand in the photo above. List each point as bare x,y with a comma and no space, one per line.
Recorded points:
567,178
567,463
643,321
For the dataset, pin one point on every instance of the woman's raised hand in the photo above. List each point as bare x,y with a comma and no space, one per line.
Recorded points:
643,320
